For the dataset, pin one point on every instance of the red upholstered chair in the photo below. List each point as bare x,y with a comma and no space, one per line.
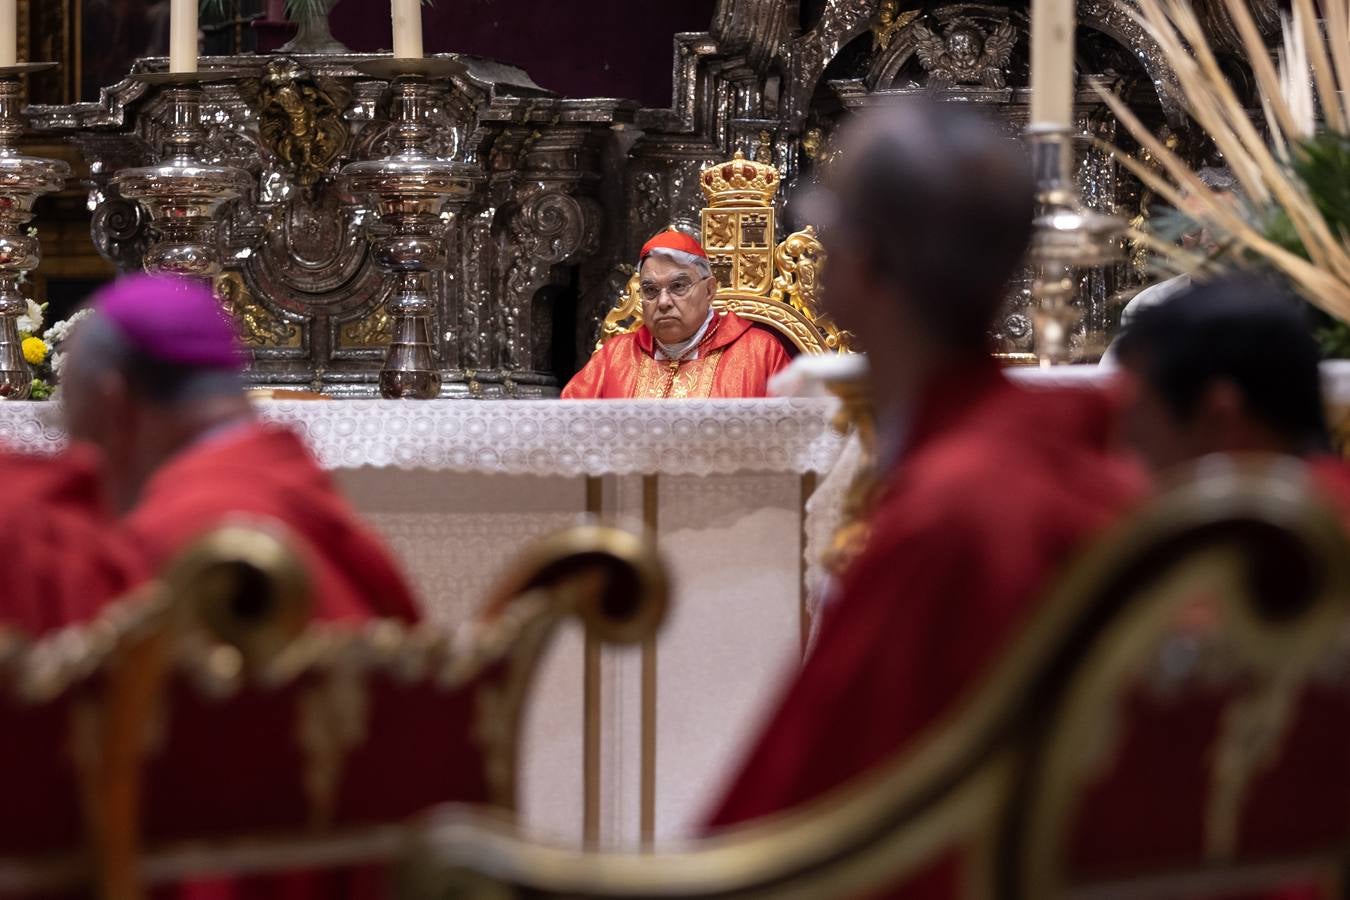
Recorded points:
1174,721
220,732
50,745
1203,744
279,745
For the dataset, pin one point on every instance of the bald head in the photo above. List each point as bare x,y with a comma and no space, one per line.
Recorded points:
937,204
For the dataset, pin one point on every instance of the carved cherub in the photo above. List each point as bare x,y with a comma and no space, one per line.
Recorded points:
300,119
965,54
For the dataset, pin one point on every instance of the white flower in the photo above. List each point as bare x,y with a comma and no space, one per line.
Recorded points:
31,321
58,362
61,330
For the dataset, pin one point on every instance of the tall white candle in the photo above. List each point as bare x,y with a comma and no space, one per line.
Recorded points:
407,28
183,36
1052,88
9,32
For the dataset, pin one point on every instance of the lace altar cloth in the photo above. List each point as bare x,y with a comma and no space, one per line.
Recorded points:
530,437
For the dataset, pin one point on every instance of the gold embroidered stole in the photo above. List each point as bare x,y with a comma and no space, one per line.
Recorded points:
662,379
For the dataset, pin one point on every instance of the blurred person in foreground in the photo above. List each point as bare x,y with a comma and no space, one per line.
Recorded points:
1229,366
684,349
154,381
988,488
63,559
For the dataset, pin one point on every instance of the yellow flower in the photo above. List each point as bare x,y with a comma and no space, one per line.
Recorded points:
34,350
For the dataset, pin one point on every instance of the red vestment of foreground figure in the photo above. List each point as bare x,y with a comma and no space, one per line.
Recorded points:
266,470
63,561
735,359
263,470
997,489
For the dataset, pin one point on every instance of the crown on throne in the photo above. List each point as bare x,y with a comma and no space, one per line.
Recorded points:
740,180
773,284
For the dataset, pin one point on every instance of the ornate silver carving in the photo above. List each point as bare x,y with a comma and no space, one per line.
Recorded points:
22,180
119,229
411,190
298,244
183,195
964,53
569,189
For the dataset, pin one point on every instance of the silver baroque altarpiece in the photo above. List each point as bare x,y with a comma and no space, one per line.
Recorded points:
560,193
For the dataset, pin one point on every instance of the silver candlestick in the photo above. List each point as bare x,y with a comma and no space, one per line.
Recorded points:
410,189
182,194
22,180
1067,237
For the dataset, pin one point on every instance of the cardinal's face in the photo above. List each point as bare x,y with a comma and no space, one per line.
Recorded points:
675,299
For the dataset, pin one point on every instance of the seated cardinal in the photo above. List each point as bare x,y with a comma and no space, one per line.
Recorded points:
684,348
154,381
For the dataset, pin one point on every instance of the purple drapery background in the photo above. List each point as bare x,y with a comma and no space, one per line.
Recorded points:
599,48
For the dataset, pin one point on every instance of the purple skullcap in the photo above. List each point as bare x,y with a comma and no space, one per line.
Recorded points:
173,320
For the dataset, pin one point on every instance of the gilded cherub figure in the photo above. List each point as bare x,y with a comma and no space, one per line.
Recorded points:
965,54
300,119
889,22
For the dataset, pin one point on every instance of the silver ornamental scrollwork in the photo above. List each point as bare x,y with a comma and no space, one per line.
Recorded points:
650,201
841,21
120,230
548,229
752,71
551,227
475,341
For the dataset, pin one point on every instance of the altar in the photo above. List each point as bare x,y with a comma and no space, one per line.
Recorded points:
621,746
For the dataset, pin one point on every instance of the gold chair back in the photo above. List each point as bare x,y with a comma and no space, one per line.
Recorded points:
997,776
773,284
208,726
58,760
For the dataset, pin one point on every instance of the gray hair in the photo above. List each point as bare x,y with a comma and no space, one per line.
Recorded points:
681,258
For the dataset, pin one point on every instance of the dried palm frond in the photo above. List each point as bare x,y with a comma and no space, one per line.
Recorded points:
1295,181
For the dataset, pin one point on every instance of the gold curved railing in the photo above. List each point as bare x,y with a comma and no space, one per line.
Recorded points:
960,784
232,615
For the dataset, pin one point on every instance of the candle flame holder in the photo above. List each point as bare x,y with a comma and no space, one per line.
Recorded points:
183,195
22,180
1067,237
410,189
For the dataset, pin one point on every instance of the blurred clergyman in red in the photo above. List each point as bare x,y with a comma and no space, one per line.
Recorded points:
154,382
988,488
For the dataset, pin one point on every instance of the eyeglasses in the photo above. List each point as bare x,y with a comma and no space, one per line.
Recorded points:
677,289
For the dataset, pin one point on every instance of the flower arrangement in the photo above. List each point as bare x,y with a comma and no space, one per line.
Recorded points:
42,349
1293,213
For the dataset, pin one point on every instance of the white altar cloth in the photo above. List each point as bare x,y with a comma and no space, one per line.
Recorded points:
507,437
458,487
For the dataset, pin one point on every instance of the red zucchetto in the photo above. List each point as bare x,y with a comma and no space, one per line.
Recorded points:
670,239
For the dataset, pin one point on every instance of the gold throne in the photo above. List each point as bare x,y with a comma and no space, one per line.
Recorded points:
777,286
